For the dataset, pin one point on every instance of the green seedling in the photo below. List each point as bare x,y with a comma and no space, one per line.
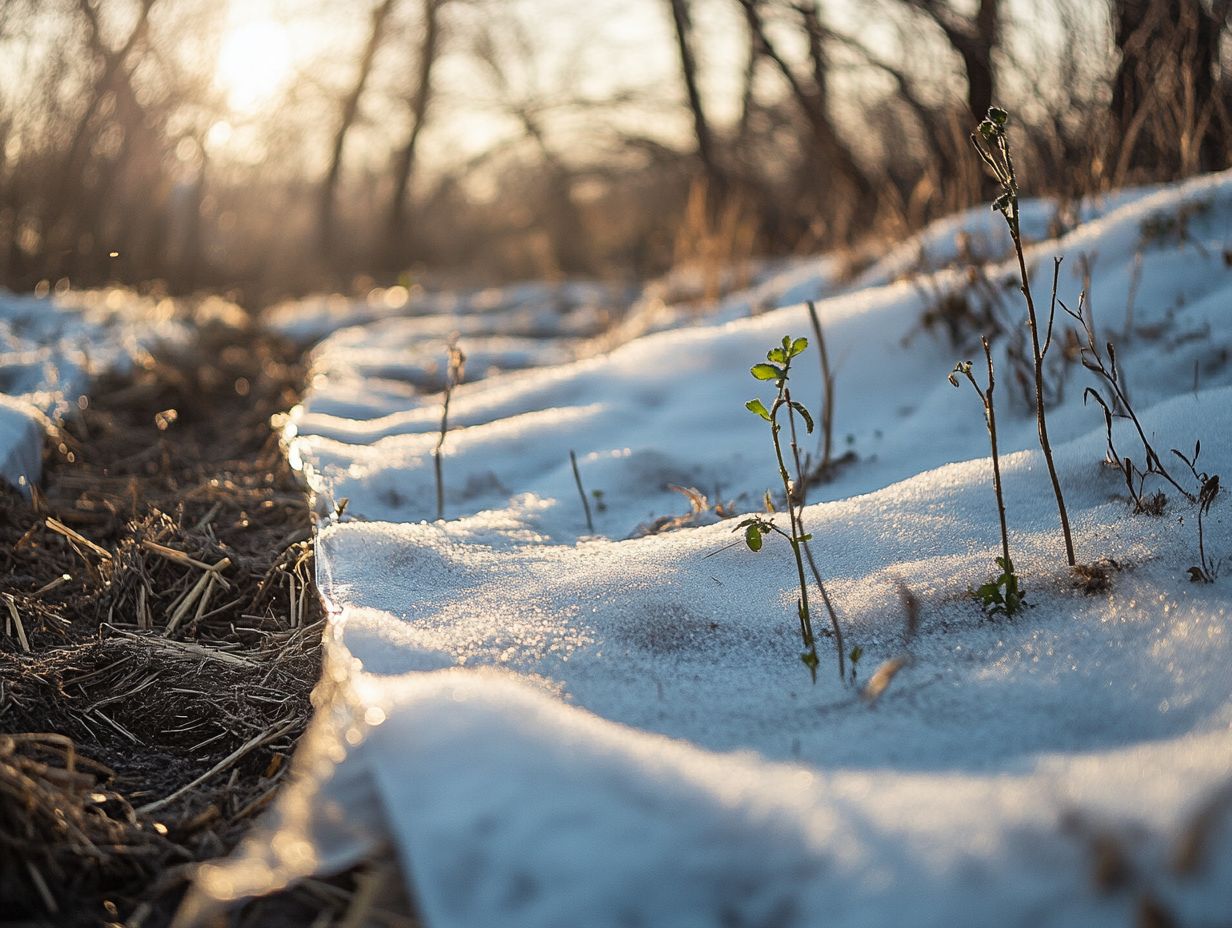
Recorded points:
990,594
1005,595
857,652
777,368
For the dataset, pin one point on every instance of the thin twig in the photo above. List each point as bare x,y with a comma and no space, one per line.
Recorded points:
827,400
1002,165
453,376
60,528
244,749
21,629
577,477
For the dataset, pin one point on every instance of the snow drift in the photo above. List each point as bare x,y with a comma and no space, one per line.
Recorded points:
558,727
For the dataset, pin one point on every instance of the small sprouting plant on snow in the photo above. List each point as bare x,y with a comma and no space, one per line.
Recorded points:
777,368
1005,593
857,652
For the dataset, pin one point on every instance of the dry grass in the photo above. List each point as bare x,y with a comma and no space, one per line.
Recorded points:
159,639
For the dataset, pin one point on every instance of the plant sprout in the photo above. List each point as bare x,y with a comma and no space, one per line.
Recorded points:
777,368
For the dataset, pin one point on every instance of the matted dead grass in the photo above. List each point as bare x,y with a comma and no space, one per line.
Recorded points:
159,641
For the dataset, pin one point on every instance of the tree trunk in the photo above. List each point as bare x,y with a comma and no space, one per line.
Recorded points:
840,187
977,60
404,163
1164,90
701,127
347,117
974,39
113,67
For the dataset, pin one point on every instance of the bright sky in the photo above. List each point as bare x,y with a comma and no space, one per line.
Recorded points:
590,49
254,63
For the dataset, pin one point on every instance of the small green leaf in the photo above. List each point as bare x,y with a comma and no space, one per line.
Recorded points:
857,652
752,537
804,414
778,355
758,407
766,371
808,536
798,346
997,116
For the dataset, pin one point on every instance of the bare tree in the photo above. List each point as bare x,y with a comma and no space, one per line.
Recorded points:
349,112
1164,101
974,38
115,67
530,105
683,26
404,160
843,188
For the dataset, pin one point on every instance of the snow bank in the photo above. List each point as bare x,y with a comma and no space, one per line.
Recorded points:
558,727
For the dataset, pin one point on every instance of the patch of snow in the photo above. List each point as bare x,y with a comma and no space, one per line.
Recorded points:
555,726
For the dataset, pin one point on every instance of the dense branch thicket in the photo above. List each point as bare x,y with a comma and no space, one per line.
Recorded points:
507,139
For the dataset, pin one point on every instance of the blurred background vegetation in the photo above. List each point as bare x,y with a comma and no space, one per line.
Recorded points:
270,147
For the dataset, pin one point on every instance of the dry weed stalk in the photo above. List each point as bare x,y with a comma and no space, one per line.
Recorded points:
454,369
714,242
825,448
577,478
1117,405
999,160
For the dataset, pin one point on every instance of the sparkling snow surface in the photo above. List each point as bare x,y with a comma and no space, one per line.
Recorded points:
554,727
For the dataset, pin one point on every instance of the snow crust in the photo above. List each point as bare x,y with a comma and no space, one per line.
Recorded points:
554,726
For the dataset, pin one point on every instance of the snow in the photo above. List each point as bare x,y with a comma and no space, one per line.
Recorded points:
531,309
554,726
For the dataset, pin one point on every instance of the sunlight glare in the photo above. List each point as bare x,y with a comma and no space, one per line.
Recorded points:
254,63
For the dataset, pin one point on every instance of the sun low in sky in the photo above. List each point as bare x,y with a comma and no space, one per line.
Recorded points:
254,63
